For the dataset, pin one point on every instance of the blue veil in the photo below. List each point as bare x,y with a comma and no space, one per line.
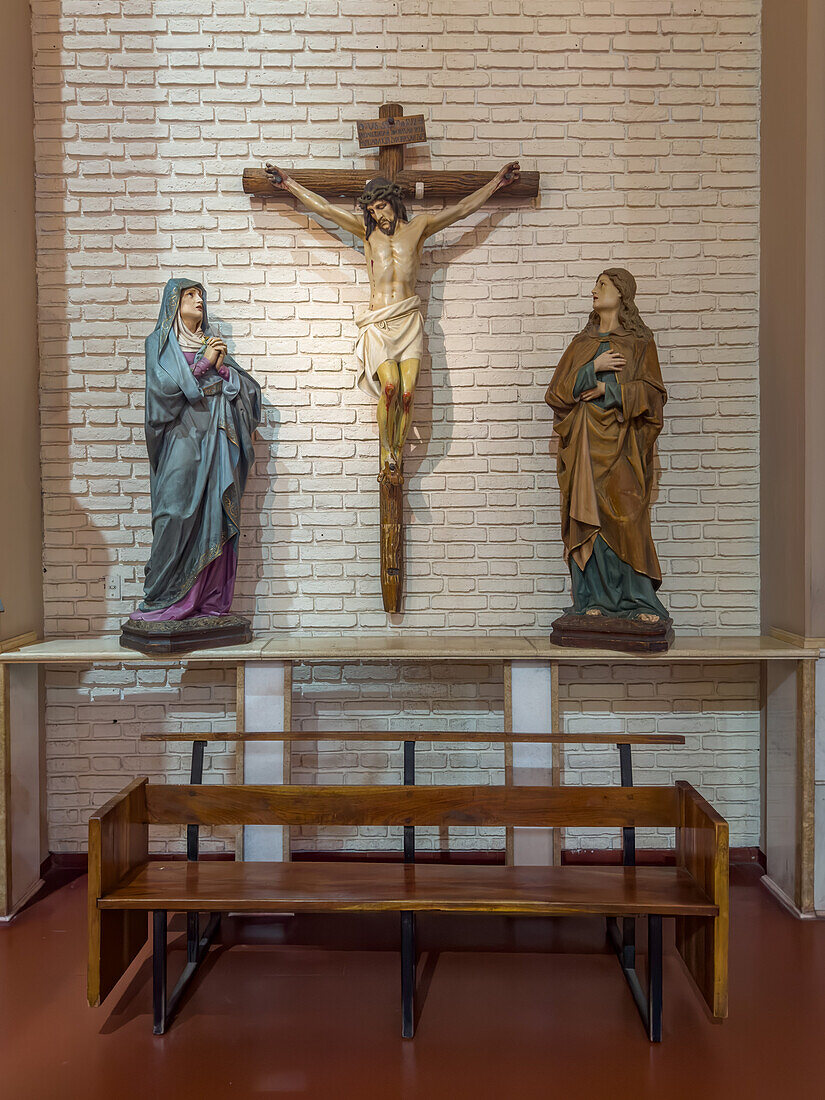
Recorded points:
199,436
166,364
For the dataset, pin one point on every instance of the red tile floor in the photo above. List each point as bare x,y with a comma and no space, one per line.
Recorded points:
309,1007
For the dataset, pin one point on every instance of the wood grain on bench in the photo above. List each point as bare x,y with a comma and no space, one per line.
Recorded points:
702,849
118,843
226,804
279,887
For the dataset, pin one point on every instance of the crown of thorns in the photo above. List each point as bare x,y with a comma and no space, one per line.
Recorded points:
378,191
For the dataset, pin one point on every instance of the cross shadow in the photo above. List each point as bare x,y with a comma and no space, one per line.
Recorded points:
432,274
251,557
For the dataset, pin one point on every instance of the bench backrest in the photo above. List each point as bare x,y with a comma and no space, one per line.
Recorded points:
225,804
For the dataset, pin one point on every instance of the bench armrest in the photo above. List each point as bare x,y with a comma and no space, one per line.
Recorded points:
118,843
702,850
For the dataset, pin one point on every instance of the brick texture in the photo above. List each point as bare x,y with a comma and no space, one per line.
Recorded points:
642,118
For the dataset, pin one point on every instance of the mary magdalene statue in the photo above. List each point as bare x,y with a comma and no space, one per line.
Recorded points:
201,412
607,397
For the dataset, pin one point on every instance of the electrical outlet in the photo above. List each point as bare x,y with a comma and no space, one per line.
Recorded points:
112,586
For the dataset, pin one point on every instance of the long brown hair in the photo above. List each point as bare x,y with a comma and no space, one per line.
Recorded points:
381,189
629,316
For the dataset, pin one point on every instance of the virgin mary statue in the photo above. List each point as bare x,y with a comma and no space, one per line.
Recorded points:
607,396
201,412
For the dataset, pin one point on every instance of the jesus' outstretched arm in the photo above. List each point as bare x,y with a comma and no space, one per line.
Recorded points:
318,205
442,218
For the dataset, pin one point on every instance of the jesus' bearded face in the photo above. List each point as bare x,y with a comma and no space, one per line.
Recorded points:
385,217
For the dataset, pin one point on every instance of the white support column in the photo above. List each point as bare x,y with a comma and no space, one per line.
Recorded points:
267,708
531,696
22,804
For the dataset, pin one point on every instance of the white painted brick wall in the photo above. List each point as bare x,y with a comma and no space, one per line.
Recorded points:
641,115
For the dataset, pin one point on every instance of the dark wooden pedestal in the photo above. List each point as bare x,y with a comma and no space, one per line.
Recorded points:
203,632
392,537
606,632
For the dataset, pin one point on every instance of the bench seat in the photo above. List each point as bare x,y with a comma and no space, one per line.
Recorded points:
306,887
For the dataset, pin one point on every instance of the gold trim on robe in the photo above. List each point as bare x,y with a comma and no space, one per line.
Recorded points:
606,457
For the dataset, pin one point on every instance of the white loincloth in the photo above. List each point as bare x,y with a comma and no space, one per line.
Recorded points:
393,332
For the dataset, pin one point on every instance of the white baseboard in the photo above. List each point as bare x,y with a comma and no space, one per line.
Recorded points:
786,902
35,886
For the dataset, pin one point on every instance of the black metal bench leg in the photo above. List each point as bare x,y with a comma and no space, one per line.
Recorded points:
192,852
195,777
159,971
629,941
407,974
166,1005
193,935
621,932
408,918
654,978
628,858
409,781
649,1002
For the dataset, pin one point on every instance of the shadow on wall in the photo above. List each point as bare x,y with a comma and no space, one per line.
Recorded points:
96,718
253,558
95,310
398,696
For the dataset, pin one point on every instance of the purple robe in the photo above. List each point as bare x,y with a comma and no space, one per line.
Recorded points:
212,592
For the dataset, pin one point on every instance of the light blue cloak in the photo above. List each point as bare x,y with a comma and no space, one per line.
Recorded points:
199,439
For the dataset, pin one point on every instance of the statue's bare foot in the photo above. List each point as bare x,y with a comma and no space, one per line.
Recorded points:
649,619
593,611
390,475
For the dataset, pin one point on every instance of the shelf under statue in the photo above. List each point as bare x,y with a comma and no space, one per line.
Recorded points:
607,396
202,410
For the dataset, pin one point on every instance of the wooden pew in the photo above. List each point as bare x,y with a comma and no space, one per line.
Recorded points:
124,884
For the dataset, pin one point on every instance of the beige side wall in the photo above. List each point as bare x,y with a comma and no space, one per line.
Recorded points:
22,836
782,316
792,379
21,538
815,311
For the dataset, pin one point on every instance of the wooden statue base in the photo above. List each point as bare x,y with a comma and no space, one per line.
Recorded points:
607,632
202,632
391,483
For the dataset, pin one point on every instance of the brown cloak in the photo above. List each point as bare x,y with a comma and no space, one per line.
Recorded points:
605,461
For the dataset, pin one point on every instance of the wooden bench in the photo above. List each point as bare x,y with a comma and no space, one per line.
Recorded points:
124,884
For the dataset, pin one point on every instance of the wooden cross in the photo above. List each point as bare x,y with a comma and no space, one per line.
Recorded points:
390,133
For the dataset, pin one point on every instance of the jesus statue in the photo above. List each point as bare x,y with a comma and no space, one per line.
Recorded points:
390,343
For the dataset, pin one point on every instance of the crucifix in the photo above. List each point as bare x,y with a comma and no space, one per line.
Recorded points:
390,341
